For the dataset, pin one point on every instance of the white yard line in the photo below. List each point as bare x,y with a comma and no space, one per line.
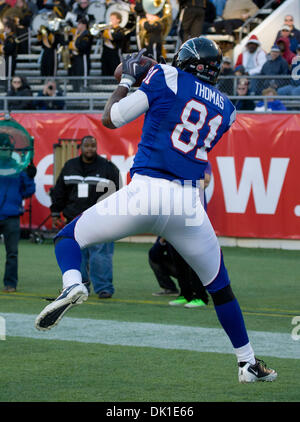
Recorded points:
142,334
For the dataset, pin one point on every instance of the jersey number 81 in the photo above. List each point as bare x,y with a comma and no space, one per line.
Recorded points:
194,128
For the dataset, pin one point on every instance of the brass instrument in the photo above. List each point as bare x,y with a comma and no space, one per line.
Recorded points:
43,30
55,24
154,7
2,38
64,50
97,28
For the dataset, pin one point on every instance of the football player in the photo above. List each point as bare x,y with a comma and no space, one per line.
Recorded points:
185,116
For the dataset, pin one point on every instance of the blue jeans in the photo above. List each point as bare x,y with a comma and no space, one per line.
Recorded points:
288,90
96,266
10,227
219,5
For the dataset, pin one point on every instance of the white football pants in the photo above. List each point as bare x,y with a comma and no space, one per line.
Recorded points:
161,207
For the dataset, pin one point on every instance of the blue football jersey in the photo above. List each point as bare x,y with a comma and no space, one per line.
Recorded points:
186,118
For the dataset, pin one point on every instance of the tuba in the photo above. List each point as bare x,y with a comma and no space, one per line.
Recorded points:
64,50
155,7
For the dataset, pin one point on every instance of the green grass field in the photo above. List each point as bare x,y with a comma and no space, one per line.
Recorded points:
76,364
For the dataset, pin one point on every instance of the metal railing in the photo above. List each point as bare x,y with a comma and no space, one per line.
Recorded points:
99,89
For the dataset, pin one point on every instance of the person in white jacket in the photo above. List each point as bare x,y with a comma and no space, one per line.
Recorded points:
252,59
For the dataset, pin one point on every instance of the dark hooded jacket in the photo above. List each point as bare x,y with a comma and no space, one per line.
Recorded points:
287,54
23,91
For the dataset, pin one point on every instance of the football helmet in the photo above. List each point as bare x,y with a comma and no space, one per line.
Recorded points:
201,57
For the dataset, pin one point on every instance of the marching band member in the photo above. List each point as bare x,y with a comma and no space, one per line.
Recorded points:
80,48
113,40
22,16
49,41
9,48
154,36
3,8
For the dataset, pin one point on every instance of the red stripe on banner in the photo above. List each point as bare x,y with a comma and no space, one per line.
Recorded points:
254,191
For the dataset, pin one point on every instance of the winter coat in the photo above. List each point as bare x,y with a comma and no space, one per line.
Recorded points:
259,57
65,195
13,189
288,55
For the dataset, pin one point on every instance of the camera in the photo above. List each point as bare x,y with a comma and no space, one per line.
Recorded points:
50,87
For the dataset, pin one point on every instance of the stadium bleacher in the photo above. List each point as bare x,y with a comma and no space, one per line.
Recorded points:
99,88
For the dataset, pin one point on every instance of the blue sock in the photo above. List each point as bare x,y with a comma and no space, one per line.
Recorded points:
67,250
227,308
68,255
231,319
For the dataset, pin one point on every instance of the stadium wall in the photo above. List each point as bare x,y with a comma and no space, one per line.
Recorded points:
253,197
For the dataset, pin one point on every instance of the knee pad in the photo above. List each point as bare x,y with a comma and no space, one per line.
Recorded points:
67,232
223,296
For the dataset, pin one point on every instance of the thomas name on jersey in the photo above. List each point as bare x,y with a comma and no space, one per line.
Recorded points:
208,94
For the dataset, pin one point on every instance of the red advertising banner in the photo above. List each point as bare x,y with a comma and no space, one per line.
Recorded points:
254,189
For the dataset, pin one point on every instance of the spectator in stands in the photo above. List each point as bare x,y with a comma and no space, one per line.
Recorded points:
285,32
80,47
20,88
226,85
234,15
272,104
293,88
275,65
210,16
284,45
113,40
51,91
252,58
192,18
244,103
294,32
219,6
239,70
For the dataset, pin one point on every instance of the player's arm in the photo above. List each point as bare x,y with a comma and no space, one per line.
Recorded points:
119,93
132,70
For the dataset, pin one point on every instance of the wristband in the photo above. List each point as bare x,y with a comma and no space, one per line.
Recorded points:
127,81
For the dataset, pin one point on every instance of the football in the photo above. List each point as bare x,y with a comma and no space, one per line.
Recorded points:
144,60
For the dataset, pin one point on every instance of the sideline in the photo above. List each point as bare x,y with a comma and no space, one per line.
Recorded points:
177,337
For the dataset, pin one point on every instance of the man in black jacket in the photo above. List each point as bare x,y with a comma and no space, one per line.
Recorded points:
83,181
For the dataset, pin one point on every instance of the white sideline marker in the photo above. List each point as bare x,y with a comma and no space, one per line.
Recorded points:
140,334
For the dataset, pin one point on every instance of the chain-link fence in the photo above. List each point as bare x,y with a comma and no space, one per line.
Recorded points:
94,91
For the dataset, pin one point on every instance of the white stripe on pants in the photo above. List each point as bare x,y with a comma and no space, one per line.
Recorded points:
161,207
